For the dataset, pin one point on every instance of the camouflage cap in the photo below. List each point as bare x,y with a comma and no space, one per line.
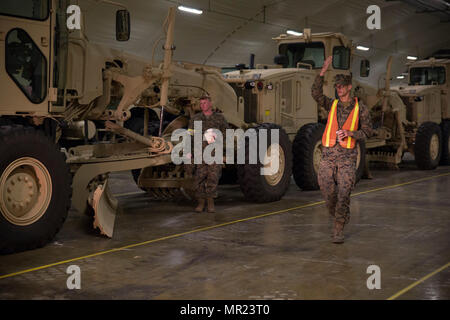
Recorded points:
342,79
205,97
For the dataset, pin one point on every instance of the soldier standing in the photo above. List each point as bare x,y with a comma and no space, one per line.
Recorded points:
206,176
337,169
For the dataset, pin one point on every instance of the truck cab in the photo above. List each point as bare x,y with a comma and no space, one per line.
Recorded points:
427,94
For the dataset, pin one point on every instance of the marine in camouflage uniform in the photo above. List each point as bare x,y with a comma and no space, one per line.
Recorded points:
206,176
337,169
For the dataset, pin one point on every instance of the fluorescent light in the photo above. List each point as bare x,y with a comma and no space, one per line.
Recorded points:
411,58
400,77
362,48
294,33
190,10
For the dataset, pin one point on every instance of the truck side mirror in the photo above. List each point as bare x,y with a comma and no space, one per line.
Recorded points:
122,25
281,59
364,69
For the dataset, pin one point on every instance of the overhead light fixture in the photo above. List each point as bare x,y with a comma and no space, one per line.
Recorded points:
190,10
411,58
400,77
362,48
294,33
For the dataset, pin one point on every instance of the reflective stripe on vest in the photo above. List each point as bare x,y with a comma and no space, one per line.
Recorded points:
351,124
329,136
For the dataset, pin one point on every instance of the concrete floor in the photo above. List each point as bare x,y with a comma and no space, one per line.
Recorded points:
400,221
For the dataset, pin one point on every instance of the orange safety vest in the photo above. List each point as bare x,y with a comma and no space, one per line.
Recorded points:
351,124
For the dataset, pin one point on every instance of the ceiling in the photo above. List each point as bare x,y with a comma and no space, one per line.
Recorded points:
229,30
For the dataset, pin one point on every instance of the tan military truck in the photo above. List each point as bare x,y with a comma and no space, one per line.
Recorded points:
422,117
60,90
281,93
412,117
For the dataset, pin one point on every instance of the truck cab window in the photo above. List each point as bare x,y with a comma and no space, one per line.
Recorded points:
341,58
309,53
427,76
26,65
30,9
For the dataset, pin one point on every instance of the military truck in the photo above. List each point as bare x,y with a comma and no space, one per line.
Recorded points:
64,103
417,116
281,93
412,117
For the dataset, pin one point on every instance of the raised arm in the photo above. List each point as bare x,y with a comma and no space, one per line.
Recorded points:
317,87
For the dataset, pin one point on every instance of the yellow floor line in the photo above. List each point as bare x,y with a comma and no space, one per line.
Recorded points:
398,294
206,228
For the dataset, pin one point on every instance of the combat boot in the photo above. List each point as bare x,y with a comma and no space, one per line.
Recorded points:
200,206
211,205
338,234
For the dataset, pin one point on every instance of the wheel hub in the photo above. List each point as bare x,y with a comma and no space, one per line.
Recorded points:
25,191
317,156
275,178
434,146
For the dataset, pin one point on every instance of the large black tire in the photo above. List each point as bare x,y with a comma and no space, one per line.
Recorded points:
26,155
306,150
255,186
445,156
229,175
427,148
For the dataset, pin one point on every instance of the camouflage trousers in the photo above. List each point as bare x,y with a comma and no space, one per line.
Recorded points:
336,179
206,179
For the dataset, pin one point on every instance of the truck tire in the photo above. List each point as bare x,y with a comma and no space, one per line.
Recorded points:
306,150
229,175
445,157
307,153
427,148
266,188
30,161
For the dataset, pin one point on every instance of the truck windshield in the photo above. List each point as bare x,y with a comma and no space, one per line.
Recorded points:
427,76
312,53
30,9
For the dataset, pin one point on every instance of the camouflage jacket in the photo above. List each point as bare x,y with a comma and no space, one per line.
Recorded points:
214,121
365,129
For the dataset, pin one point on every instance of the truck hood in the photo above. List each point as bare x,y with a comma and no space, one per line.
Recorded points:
412,91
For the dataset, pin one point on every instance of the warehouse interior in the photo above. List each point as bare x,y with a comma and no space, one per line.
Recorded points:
161,249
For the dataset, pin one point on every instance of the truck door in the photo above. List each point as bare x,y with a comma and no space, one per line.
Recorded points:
24,56
286,103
